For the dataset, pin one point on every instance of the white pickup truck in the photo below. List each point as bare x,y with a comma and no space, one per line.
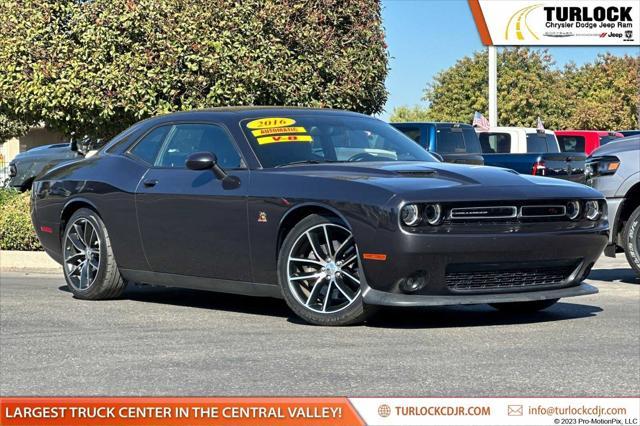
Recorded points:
530,151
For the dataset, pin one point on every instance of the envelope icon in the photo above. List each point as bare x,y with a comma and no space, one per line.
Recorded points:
514,410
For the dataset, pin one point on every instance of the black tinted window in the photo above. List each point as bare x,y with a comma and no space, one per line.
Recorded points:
147,148
185,139
411,132
606,139
571,143
495,143
541,142
456,140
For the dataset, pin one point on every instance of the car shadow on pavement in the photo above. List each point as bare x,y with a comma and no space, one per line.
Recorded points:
205,300
623,275
475,316
432,317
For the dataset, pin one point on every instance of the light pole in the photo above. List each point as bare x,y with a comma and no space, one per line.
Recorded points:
493,87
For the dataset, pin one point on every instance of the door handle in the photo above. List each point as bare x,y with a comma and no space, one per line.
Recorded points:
150,182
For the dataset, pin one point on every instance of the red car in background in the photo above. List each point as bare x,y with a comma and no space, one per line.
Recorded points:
585,141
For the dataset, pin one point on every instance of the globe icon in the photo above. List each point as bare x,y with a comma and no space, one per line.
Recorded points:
384,410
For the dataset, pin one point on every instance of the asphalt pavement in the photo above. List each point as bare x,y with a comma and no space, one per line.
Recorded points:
159,341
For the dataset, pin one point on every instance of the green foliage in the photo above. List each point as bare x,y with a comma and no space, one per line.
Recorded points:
600,95
16,230
406,114
10,128
96,67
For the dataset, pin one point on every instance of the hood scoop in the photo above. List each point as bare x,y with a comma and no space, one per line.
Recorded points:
417,173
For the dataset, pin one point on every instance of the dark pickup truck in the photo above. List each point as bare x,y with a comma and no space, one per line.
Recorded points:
454,142
531,151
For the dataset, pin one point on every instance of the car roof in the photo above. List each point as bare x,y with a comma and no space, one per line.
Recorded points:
250,111
526,129
597,132
431,123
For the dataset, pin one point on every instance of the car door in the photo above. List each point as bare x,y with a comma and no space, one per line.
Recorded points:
190,222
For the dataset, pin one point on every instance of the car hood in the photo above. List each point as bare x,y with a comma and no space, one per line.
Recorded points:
631,143
445,180
57,152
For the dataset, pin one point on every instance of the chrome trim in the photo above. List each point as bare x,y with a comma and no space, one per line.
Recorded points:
512,208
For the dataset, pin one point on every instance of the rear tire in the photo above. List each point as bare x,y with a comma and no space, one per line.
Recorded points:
88,263
524,307
631,240
332,295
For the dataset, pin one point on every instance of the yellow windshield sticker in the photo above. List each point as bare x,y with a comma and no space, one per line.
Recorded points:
278,130
289,138
270,122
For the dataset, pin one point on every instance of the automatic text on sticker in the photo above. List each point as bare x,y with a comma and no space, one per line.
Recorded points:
287,138
270,122
278,130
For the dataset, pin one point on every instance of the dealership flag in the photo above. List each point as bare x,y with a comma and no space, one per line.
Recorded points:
540,125
480,121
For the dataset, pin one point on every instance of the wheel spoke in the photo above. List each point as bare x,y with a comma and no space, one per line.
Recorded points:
73,257
77,243
326,297
307,277
301,260
93,263
326,236
79,233
351,277
343,291
350,260
84,275
76,268
313,247
313,294
343,245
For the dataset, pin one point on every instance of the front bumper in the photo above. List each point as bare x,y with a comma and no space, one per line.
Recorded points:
483,265
376,297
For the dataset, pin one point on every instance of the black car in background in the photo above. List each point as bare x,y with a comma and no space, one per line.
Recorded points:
453,142
331,210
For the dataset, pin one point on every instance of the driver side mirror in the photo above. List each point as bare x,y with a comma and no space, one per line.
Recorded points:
205,161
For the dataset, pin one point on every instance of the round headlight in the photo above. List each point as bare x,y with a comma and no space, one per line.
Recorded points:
592,210
573,210
433,214
410,215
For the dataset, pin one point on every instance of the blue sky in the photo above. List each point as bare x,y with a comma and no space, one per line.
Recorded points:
427,36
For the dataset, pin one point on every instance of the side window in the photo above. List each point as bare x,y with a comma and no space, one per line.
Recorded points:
571,143
495,143
147,148
185,139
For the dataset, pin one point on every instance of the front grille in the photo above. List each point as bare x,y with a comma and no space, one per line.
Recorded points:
482,278
13,171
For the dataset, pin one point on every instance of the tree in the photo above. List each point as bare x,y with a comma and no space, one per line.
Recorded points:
405,114
528,87
10,128
605,94
97,66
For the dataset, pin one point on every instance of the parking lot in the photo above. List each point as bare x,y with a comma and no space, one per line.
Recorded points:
179,342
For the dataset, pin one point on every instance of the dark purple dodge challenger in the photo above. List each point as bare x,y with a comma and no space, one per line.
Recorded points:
333,211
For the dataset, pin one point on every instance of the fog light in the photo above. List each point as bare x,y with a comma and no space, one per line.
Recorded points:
410,215
433,214
414,282
573,210
592,210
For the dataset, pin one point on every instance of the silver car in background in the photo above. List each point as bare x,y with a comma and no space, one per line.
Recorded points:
614,170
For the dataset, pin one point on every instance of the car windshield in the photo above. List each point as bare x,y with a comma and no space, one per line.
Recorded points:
298,139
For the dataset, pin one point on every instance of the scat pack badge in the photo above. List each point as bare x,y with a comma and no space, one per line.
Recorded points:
262,217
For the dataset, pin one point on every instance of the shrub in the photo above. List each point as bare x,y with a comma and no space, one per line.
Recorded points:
16,230
97,66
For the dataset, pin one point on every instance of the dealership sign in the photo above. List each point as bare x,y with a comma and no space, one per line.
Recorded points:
523,22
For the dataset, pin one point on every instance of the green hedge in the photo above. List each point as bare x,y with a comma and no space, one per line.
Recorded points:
16,230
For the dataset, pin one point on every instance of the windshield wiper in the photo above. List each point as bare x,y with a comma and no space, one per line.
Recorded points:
295,163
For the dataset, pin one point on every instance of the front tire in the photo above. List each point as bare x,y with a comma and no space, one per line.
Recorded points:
524,307
631,240
88,263
319,272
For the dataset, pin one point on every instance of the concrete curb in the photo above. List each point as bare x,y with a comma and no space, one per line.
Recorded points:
28,261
